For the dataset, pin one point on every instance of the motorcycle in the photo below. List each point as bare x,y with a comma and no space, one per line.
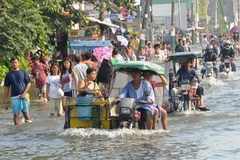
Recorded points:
129,115
181,97
174,92
185,86
208,67
187,95
227,67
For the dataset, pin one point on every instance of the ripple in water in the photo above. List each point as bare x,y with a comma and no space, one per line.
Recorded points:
89,132
212,82
229,77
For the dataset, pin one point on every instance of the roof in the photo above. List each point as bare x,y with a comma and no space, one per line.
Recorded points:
88,45
182,57
106,22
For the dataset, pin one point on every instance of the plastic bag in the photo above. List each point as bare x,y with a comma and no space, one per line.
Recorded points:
60,92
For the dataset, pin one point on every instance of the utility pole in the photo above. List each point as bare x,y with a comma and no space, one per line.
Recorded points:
179,15
215,15
101,18
238,11
145,23
193,22
173,26
151,22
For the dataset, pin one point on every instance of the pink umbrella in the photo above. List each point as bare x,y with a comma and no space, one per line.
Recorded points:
234,29
102,53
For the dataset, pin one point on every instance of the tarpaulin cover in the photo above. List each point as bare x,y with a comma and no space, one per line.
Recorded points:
129,65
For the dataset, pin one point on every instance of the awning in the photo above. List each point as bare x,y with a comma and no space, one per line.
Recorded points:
134,24
88,45
106,22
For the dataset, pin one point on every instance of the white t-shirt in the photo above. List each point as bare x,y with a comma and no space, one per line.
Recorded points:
139,91
157,57
54,82
204,43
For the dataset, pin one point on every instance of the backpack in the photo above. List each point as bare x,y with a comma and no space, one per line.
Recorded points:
104,74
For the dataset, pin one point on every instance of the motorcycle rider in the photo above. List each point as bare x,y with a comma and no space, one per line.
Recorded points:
210,56
140,90
227,51
188,72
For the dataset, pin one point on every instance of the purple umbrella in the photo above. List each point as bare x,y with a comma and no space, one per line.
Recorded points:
234,29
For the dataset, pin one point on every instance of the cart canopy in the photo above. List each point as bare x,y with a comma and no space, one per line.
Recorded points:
129,65
182,57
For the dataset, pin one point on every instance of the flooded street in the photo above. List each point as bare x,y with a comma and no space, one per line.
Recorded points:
199,135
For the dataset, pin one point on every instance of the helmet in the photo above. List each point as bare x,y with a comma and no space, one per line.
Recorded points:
227,42
209,46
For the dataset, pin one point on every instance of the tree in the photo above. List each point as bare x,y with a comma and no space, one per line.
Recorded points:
22,27
27,23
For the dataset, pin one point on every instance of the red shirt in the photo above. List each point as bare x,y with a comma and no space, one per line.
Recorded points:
91,63
154,84
39,72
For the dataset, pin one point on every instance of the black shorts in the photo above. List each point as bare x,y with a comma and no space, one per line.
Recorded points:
70,94
145,113
200,91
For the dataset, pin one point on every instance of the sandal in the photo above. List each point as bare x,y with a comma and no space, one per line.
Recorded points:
204,109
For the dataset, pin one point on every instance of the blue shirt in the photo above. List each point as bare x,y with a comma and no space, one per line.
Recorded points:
146,93
17,80
182,74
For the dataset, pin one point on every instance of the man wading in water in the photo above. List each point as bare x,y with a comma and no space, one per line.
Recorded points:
19,81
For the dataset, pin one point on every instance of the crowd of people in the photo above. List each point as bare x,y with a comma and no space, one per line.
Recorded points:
58,83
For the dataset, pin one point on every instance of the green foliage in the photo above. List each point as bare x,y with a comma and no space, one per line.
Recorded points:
91,30
3,72
129,4
24,64
5,66
25,24
21,27
52,9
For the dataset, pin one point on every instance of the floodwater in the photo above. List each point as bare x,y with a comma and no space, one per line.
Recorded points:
199,135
